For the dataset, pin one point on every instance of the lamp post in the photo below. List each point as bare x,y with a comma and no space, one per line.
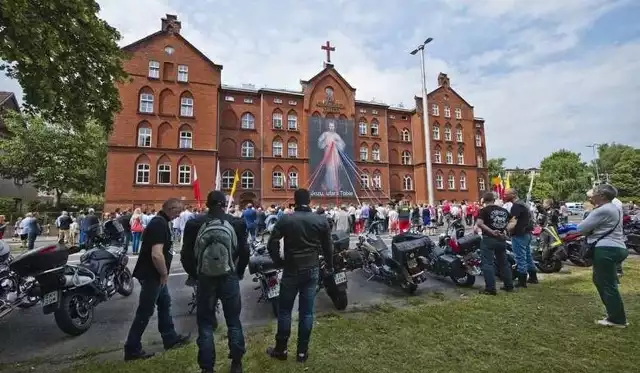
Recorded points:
594,147
425,114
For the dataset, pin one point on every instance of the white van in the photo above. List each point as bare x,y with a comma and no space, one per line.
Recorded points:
575,208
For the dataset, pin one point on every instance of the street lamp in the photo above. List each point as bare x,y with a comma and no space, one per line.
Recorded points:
594,147
425,114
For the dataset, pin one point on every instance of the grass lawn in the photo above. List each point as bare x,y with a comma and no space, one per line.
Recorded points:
545,328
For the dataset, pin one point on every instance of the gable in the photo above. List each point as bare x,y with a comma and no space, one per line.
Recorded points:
328,70
448,90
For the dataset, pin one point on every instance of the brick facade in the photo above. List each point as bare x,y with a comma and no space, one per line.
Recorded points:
220,119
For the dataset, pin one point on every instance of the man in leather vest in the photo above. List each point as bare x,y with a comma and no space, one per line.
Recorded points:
306,235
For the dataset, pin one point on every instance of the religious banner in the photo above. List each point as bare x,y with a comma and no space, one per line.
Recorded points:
333,172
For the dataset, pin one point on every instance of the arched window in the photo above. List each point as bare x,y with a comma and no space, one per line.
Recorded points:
439,182
248,122
406,157
277,179
184,174
478,139
436,132
164,173
364,152
460,156
463,181
276,147
146,101
447,133
459,134
364,181
186,105
452,182
293,179
377,180
247,180
375,128
292,120
227,179
437,156
186,138
144,135
362,127
292,148
406,135
247,149
449,157
143,170
276,119
375,152
407,183
481,183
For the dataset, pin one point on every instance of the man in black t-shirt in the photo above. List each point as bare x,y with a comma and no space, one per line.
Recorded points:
492,222
520,227
152,271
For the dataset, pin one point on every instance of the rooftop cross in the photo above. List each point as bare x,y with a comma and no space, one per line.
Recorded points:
327,47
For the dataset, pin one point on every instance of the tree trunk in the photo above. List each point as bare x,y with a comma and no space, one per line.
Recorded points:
58,198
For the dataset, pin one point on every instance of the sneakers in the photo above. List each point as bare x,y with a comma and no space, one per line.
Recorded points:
606,322
276,354
301,357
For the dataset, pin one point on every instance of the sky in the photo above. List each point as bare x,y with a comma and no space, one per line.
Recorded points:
544,74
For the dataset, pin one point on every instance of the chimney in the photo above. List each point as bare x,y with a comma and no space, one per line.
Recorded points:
171,24
443,80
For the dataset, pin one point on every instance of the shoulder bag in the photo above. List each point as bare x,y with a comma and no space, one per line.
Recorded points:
589,248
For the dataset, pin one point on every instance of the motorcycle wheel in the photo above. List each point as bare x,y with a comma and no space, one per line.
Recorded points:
338,297
74,317
549,266
580,262
465,281
410,287
125,283
275,305
636,248
29,302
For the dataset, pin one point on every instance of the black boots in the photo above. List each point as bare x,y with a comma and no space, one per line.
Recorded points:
278,352
533,277
521,280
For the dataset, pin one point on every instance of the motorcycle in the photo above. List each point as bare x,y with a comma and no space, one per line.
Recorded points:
344,259
15,291
71,292
511,259
455,258
265,272
403,264
631,230
574,246
547,249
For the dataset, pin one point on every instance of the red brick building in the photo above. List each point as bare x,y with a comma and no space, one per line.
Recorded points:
177,117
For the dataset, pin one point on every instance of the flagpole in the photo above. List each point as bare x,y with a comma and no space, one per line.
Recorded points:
533,174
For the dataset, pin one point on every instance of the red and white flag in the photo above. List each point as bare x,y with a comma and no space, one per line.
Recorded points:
218,177
196,186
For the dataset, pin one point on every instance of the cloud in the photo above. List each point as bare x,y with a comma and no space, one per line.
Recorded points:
544,74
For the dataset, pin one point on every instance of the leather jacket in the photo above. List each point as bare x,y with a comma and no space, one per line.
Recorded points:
306,235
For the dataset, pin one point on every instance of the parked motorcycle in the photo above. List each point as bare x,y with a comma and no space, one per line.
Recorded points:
265,272
344,259
71,292
574,246
547,249
632,233
455,258
403,264
15,291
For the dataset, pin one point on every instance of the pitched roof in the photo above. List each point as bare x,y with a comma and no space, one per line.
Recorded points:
131,47
6,96
329,66
449,89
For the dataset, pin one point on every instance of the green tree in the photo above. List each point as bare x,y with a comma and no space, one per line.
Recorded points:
520,179
55,158
496,167
65,58
562,175
626,173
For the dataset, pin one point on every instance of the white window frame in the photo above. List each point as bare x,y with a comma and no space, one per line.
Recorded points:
439,182
276,120
447,133
437,156
186,139
277,101
277,180
227,179
435,109
377,181
436,132
292,122
248,100
142,170
375,153
292,149
460,157
447,111
162,168
293,179
229,98
458,113
145,135
186,106
463,182
449,157
478,140
184,174
248,121
154,70
276,148
364,153
247,149
293,103
406,135
451,181
247,180
459,136
482,184
407,183
406,157
375,129
362,128
183,73
364,181
146,103
480,161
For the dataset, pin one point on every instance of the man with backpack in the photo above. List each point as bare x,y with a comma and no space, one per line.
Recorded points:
520,227
215,251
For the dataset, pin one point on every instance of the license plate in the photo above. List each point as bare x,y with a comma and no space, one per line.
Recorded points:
340,277
411,263
273,292
50,298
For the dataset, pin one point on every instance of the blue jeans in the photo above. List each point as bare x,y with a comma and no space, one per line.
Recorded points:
135,241
305,283
31,241
522,251
210,289
152,294
493,249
